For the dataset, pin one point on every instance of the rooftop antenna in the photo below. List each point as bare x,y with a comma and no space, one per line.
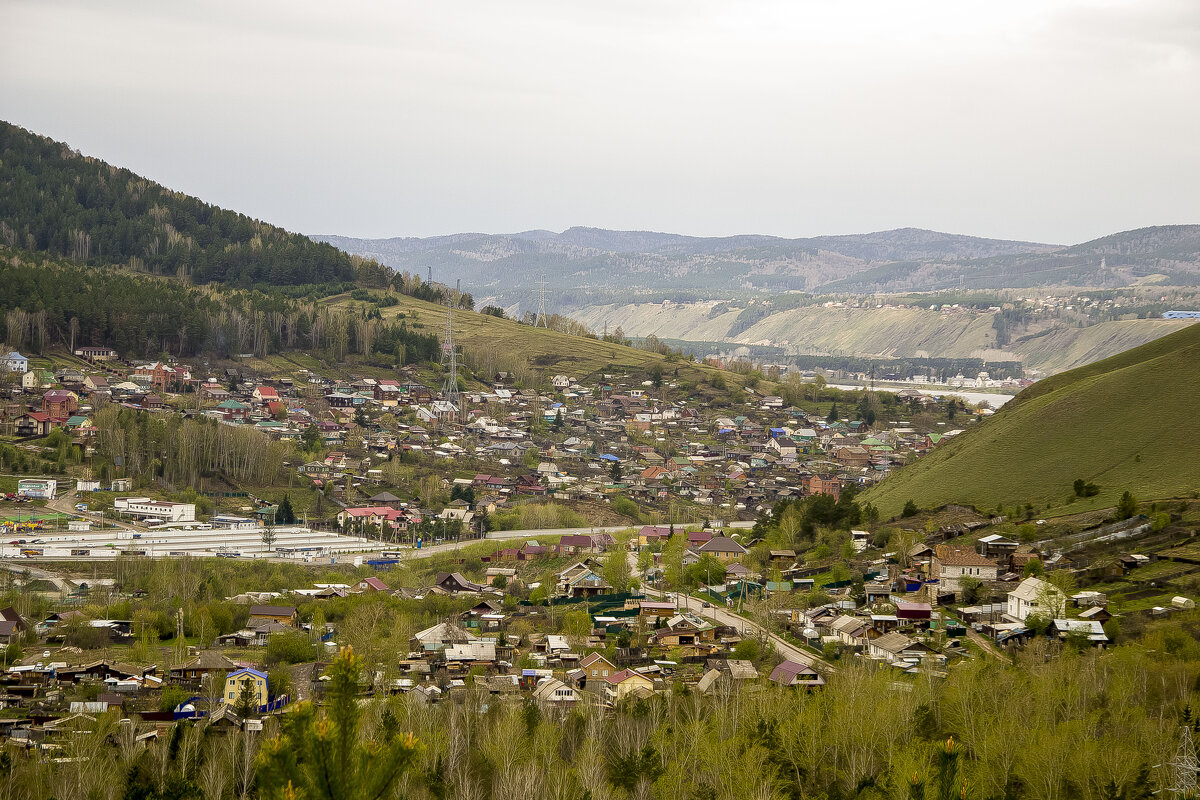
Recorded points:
450,361
541,320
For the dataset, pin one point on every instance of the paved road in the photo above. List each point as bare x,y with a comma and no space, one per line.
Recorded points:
530,534
65,504
726,617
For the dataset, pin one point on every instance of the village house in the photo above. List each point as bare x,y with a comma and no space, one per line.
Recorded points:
95,354
687,631
455,583
792,673
825,484
596,670
653,534
35,423
724,548
1091,630
1036,596
36,379
284,615
262,395
234,411
12,627
96,384
850,631
242,680
950,564
656,609
14,362
370,585
156,374
580,580
584,543
551,693
627,683
895,647
205,662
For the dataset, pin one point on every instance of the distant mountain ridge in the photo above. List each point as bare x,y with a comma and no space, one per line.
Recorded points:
587,262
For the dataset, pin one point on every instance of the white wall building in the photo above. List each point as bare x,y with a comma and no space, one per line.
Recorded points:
40,488
1036,596
145,508
232,523
14,362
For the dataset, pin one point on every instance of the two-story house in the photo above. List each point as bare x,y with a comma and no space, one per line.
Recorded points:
951,564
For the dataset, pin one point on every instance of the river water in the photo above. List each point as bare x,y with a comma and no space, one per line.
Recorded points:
994,400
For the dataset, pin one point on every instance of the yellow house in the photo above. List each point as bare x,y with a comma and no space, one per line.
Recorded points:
625,683
236,680
653,534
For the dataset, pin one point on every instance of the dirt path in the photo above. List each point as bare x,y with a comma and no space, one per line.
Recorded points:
984,644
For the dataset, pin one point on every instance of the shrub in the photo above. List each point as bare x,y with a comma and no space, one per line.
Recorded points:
290,648
1127,506
171,697
747,650
626,507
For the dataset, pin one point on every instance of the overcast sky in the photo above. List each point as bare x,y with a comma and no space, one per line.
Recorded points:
1046,120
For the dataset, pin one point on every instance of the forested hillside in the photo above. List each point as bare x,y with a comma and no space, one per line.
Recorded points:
56,201
48,305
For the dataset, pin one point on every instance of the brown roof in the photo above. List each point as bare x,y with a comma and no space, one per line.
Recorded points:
208,660
721,544
961,557
272,611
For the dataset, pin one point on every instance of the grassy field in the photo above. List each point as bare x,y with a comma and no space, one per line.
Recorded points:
1125,423
549,351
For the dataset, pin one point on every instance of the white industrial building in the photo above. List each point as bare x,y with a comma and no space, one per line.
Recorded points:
39,488
145,508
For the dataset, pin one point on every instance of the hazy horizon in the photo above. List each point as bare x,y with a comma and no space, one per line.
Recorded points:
1055,121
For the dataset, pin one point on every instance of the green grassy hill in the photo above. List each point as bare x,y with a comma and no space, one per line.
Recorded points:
1125,423
505,343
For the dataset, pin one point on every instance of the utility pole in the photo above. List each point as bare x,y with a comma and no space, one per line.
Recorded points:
541,320
450,361
1184,766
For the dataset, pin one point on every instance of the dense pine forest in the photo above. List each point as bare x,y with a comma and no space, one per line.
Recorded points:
56,201
51,305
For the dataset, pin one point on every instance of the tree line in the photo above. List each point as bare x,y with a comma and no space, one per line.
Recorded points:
1051,726
47,304
56,201
181,451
